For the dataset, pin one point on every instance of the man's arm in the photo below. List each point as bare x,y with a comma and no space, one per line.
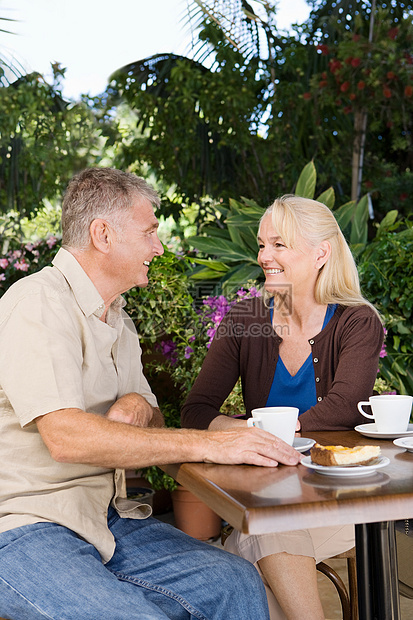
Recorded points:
76,436
134,409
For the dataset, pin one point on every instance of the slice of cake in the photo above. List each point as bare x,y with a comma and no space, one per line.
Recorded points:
341,456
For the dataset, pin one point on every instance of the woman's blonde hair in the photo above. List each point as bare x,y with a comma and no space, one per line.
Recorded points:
294,217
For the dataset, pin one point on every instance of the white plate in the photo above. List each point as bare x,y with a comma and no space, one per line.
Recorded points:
301,444
369,430
406,442
356,470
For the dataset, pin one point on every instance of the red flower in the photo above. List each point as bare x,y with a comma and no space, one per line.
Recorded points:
355,62
348,60
387,92
352,96
307,96
393,32
390,75
361,85
347,109
335,65
408,91
322,84
324,75
344,87
323,49
356,37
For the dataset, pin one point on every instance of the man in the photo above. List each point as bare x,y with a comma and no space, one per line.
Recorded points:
75,408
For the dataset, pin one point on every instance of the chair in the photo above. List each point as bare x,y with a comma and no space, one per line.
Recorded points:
405,563
348,600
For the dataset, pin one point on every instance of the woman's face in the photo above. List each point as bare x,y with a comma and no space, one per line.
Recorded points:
287,271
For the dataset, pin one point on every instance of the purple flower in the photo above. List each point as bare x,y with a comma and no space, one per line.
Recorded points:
188,352
169,350
383,351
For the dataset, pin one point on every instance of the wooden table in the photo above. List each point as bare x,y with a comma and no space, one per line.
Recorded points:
257,500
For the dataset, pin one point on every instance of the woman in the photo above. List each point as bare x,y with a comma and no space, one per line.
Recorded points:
311,341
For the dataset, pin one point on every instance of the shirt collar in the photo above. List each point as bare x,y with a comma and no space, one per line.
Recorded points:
86,294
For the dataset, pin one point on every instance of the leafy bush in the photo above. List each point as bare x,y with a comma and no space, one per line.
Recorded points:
386,274
231,253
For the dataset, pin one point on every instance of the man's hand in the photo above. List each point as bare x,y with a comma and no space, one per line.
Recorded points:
248,445
134,409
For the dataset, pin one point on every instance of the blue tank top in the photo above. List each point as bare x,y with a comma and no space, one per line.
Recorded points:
299,390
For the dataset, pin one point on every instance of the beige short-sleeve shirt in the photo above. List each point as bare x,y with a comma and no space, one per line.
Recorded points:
56,353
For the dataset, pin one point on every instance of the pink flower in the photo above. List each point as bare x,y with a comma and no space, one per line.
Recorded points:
51,241
2,277
3,263
21,266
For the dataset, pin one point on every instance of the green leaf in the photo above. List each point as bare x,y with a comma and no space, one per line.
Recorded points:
387,221
206,274
328,198
218,247
359,222
212,264
239,276
344,214
306,182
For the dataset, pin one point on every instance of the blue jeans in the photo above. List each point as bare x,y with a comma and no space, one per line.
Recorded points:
47,571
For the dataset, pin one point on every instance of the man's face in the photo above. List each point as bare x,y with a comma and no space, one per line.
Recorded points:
136,246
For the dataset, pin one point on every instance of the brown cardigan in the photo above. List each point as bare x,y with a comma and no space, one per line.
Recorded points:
345,359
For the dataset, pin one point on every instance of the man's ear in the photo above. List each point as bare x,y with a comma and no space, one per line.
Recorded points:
323,254
102,235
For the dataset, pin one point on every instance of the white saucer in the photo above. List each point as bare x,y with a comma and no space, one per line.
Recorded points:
406,442
369,430
356,470
302,444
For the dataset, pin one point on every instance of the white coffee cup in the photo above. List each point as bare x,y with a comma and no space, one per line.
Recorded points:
391,412
280,421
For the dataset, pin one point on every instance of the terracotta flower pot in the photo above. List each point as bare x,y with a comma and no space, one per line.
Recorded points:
161,501
194,517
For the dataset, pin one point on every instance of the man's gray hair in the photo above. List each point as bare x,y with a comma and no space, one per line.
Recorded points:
104,193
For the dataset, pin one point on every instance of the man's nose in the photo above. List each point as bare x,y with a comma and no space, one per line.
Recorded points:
158,248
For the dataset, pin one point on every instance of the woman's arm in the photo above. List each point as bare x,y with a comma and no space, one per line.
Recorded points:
347,371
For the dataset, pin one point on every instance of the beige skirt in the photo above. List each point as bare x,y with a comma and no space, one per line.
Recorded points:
320,543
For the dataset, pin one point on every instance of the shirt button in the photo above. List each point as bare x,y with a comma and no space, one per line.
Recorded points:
311,341
317,379
319,398
315,360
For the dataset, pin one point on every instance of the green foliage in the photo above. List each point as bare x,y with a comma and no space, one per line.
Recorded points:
185,129
43,141
232,251
165,307
269,102
386,274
